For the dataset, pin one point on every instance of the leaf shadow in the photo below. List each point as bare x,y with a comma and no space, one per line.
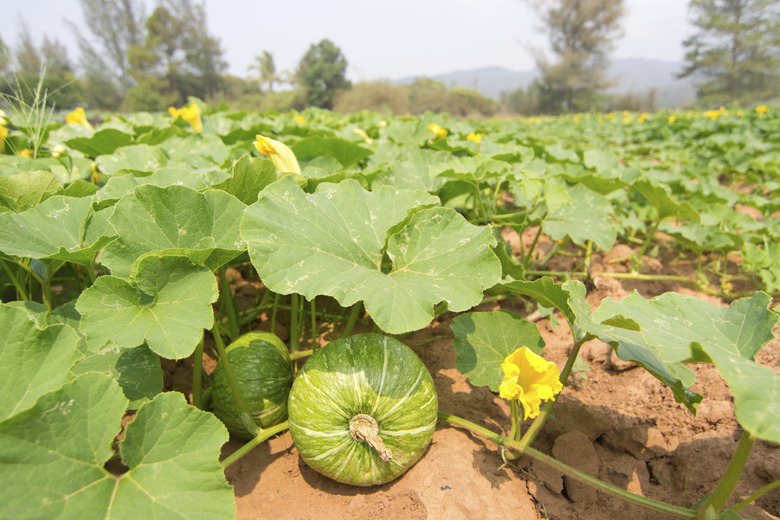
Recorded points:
244,474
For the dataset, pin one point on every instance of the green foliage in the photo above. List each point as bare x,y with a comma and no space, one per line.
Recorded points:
423,95
322,71
380,96
735,53
522,101
117,241
145,96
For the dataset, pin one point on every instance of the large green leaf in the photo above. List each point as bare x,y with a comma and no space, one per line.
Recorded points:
136,157
599,159
333,242
558,153
121,185
664,205
27,189
54,229
54,453
345,152
680,328
195,151
589,217
549,294
407,168
177,220
137,370
166,303
483,340
35,359
104,141
250,176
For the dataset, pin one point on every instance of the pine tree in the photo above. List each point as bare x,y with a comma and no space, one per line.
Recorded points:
735,54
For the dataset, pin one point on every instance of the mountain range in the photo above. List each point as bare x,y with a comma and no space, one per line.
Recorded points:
631,76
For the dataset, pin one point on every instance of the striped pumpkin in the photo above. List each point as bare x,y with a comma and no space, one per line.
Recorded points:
262,368
363,409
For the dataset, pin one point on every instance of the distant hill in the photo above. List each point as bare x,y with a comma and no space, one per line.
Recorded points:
633,75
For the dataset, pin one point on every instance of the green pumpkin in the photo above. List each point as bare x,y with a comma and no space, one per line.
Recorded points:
263,371
363,409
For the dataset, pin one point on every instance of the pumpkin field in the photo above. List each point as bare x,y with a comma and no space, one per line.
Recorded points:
218,314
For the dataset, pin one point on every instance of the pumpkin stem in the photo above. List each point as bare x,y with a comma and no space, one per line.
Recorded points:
364,428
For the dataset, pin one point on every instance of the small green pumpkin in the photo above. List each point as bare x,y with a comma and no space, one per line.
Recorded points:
262,368
363,409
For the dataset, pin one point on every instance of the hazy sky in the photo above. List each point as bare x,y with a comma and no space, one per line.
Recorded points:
390,39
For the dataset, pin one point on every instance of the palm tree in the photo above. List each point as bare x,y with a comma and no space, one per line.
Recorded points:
264,64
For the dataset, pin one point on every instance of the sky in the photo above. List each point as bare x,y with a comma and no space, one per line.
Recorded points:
380,40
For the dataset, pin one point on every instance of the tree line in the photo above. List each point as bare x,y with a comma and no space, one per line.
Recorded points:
733,57
133,60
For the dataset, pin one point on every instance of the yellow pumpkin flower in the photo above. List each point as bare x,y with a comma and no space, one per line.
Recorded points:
299,118
191,114
438,131
279,153
474,137
26,153
761,110
672,118
77,117
528,378
3,135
